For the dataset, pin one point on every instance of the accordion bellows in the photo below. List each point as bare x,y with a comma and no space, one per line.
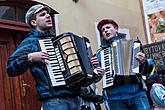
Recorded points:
119,59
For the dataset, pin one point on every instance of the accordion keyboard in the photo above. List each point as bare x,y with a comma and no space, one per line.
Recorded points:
106,64
55,65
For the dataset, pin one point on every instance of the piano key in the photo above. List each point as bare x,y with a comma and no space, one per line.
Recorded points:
54,65
57,73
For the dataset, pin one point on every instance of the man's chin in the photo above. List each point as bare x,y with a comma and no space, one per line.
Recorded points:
109,37
49,26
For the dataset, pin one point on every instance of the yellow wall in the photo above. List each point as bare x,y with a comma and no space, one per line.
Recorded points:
80,17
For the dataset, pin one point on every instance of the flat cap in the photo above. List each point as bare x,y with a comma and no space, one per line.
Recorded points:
106,21
33,10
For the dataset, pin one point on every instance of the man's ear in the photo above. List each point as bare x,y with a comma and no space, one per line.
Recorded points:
33,23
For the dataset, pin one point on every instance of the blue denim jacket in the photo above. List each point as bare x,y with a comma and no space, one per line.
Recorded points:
18,63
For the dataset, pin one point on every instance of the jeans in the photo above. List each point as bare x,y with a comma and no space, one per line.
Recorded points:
67,103
136,103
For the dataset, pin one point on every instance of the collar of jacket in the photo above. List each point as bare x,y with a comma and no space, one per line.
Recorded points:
105,43
39,34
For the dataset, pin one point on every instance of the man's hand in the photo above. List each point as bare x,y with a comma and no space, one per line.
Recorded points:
39,57
141,57
99,70
94,61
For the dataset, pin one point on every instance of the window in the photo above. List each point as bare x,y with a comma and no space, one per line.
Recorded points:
12,13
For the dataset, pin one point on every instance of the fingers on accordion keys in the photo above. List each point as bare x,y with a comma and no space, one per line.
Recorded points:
94,61
100,70
46,61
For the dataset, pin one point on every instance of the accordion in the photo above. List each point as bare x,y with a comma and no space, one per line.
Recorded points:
119,60
69,63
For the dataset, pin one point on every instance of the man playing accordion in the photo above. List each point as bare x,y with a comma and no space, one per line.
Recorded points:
29,55
127,94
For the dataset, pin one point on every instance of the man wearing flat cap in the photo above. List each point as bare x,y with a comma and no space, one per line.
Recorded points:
125,93
30,56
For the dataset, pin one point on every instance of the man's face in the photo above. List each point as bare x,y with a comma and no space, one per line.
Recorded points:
43,21
108,31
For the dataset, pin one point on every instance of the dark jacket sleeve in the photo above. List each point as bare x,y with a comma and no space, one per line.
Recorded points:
147,67
18,62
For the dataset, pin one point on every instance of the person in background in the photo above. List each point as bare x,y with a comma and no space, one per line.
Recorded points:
157,91
30,56
129,94
150,77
